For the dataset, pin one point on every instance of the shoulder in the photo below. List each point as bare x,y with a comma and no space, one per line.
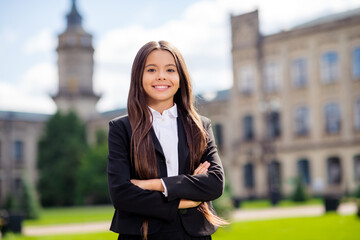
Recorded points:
121,122
206,122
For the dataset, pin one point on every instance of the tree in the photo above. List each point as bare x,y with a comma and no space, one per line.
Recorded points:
92,185
61,149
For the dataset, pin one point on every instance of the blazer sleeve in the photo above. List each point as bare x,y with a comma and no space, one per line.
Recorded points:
124,195
201,187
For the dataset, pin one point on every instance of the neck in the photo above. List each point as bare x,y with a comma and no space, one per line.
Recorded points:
162,106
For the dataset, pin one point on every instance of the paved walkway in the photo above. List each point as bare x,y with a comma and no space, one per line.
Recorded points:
239,215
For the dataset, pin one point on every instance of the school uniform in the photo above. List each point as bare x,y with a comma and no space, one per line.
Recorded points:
133,204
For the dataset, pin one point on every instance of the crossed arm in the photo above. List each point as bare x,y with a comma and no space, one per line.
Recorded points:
156,185
131,196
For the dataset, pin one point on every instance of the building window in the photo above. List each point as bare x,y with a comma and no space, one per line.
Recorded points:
273,124
334,170
274,176
304,171
218,135
356,63
18,151
299,72
246,79
329,67
302,121
249,175
357,115
357,168
271,77
18,185
248,128
332,118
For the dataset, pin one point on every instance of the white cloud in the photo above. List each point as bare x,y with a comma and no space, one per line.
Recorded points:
40,79
43,41
32,93
13,98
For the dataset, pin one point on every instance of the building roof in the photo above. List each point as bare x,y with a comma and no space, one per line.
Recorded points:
73,18
24,116
329,18
215,96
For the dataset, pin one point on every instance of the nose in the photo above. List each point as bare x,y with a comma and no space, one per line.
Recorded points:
161,75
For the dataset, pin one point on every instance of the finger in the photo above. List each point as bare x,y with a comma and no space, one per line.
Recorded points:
203,168
197,169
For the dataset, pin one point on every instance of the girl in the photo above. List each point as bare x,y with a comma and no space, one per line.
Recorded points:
163,167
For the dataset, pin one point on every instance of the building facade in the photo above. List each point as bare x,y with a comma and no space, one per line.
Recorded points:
293,110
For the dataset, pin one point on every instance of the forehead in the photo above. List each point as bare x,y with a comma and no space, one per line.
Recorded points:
160,57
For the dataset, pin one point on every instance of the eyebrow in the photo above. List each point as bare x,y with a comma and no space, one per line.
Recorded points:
154,65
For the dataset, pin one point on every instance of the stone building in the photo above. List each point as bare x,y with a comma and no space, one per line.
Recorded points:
294,108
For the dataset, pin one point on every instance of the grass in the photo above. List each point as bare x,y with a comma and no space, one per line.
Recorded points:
327,227
258,204
66,215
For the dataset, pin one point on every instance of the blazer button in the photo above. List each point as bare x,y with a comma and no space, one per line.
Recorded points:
182,211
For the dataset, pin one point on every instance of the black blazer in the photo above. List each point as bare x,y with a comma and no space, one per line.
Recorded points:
133,204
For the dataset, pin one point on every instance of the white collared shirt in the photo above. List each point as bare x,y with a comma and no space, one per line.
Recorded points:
165,127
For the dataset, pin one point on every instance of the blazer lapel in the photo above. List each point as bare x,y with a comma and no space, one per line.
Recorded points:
183,150
157,144
159,154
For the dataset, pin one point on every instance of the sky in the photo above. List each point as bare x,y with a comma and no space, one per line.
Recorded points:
200,29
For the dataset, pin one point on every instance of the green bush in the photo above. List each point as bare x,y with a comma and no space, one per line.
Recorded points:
29,203
357,192
224,205
299,193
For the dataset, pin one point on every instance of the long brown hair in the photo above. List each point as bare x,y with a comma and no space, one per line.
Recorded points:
142,147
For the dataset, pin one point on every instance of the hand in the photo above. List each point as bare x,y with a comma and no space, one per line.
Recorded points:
202,168
185,203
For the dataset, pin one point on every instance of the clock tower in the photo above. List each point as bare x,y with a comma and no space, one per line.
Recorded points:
75,65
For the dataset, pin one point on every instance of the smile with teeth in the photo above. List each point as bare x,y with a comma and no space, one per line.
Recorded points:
161,87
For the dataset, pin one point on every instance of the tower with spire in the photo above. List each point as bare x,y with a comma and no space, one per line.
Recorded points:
75,66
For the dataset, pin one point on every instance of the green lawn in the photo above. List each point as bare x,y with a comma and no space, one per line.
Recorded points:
64,215
327,227
73,215
284,203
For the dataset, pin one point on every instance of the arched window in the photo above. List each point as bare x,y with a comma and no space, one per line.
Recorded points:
332,117
334,170
304,171
302,121
274,176
357,168
329,67
248,128
299,72
356,63
273,124
249,176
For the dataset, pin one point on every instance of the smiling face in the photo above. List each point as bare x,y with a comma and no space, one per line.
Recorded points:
160,80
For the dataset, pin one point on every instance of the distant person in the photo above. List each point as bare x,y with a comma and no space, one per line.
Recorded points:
164,168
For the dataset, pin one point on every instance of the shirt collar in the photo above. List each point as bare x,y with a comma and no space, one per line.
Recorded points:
172,112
